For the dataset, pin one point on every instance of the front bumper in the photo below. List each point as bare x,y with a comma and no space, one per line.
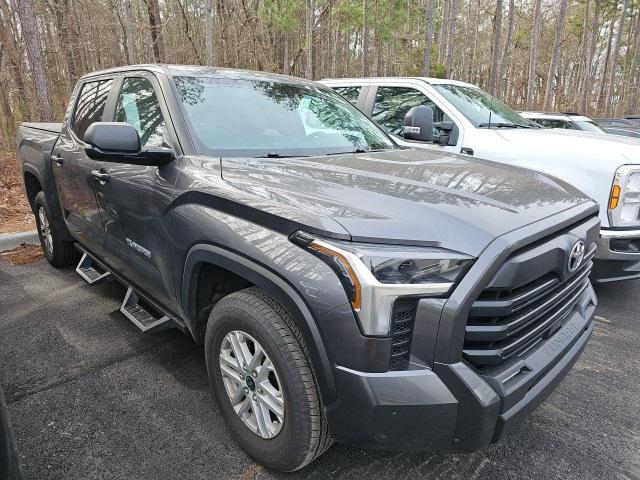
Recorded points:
617,256
453,406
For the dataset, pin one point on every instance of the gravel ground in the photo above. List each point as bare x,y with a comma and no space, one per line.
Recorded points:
91,397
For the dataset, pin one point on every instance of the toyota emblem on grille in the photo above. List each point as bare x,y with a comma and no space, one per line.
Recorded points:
576,256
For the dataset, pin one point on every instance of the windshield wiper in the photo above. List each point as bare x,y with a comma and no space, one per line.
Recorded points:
359,150
278,155
503,125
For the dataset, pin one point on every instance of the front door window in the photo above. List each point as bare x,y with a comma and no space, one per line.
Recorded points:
138,106
392,104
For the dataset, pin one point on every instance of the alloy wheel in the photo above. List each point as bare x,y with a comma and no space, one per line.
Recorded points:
252,384
45,230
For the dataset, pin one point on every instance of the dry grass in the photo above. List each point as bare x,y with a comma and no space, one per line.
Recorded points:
22,255
15,213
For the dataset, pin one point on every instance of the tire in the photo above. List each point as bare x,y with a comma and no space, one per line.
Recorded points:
303,434
58,252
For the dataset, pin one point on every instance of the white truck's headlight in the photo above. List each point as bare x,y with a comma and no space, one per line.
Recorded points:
375,275
624,201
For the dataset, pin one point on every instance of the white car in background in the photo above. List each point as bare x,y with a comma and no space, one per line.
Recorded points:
569,121
465,119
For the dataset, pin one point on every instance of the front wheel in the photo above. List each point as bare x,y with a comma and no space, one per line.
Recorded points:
263,381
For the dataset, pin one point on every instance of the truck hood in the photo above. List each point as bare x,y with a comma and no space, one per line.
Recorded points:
404,196
612,149
587,160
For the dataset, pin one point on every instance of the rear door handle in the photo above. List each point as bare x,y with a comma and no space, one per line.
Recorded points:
100,175
58,159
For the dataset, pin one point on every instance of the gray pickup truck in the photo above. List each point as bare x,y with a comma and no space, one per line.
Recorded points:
343,288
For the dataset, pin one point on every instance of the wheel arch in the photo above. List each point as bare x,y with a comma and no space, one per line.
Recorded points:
32,183
272,283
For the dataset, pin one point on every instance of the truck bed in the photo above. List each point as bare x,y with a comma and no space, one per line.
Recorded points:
45,127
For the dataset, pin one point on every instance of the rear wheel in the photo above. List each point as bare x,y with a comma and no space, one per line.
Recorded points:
263,381
58,252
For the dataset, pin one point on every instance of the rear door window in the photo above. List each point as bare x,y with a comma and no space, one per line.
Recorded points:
392,104
90,105
350,94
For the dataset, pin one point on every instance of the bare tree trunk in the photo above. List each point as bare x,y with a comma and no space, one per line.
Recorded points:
507,48
131,42
553,66
365,39
334,32
452,33
592,51
377,59
13,64
428,37
442,36
495,50
285,55
600,103
634,74
310,20
533,54
209,10
6,119
615,55
474,48
156,30
223,30
28,21
584,41
57,9
187,31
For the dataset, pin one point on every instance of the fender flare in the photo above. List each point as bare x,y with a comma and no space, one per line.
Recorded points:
278,288
51,194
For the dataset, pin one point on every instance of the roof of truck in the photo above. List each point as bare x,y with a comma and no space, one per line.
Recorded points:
432,81
556,116
198,70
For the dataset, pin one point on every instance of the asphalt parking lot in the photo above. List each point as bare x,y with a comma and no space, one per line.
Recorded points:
91,397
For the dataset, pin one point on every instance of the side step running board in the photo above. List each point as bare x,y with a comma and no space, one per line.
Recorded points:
142,311
90,270
138,311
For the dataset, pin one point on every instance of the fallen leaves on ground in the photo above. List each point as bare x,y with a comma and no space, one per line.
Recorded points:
23,254
15,213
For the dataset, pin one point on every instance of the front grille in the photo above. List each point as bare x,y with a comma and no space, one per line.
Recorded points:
402,320
505,323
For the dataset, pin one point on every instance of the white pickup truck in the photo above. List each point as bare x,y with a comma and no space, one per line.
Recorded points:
470,121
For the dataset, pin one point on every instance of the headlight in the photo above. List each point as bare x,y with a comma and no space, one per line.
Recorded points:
375,275
624,201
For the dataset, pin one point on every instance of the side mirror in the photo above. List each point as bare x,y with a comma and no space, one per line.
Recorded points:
418,124
120,143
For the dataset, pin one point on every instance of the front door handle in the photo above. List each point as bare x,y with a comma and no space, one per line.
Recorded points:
58,159
100,175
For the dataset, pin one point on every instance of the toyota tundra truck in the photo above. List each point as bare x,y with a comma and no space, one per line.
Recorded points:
468,120
343,288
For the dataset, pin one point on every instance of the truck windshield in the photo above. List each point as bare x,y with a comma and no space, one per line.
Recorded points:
481,109
232,117
589,126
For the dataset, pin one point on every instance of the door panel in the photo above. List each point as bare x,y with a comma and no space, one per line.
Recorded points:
134,202
72,168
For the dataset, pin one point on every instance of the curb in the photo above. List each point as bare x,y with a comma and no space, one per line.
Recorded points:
9,241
